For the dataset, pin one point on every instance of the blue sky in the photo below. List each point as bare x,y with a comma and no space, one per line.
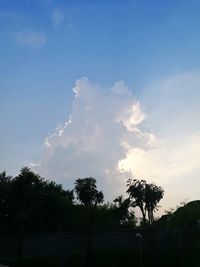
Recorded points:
46,45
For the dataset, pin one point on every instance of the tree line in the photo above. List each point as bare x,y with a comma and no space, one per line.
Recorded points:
30,204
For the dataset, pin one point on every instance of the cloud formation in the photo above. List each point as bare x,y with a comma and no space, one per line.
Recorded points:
104,124
30,39
173,112
109,136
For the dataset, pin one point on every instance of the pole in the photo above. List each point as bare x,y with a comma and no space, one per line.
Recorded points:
139,238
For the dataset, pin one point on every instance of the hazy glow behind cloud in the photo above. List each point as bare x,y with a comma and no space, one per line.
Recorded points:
172,108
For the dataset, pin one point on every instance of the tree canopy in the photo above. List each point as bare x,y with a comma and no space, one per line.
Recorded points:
146,197
186,216
30,203
87,192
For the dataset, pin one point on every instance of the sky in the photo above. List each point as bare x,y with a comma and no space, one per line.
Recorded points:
108,89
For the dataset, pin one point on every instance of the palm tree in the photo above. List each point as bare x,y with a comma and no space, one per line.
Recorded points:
90,197
146,197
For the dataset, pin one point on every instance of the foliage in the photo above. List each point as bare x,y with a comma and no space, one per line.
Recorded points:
87,192
33,203
4,198
186,215
122,212
115,215
30,203
146,197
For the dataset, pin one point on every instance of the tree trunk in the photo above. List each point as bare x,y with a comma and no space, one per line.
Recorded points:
89,240
143,216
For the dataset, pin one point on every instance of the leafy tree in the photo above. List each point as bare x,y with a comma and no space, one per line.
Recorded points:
122,213
165,220
114,215
146,197
4,199
90,197
87,192
25,195
136,191
35,204
187,215
153,195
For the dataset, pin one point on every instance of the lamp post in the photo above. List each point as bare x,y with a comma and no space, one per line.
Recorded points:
139,238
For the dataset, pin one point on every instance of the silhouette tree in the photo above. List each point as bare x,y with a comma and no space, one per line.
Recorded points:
187,215
90,197
121,211
153,195
146,197
87,192
5,182
35,204
136,189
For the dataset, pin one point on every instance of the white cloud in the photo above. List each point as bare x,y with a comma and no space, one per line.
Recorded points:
170,159
31,39
58,17
103,126
172,113
108,136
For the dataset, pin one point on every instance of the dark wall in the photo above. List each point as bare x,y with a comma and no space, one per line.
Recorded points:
59,244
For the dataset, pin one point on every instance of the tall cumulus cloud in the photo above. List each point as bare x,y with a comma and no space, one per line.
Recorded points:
104,125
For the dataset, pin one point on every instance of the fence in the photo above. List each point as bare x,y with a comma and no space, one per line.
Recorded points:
64,244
